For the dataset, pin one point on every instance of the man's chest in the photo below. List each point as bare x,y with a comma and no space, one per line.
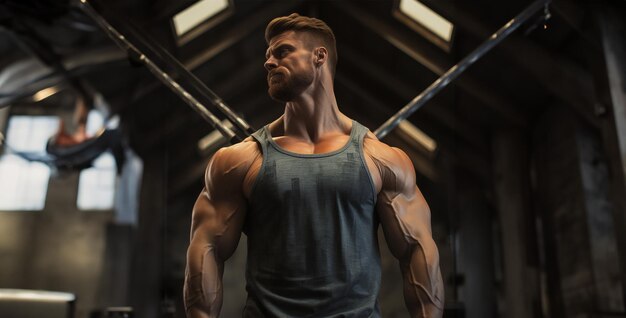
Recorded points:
322,146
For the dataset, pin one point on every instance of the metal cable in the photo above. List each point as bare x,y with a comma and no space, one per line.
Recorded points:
165,78
445,79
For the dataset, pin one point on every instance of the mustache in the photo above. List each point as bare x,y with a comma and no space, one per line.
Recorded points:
272,73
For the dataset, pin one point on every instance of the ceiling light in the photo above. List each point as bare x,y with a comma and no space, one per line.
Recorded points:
415,136
211,142
38,295
45,93
422,18
196,14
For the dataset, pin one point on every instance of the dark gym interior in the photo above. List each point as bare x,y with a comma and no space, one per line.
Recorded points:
522,158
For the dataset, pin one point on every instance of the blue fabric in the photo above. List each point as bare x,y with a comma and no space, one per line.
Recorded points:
312,234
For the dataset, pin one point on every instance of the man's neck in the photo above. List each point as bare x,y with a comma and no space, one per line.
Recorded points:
313,115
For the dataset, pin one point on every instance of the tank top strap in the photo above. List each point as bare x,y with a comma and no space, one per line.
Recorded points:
262,137
359,133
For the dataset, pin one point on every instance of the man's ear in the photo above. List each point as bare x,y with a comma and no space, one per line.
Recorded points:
321,55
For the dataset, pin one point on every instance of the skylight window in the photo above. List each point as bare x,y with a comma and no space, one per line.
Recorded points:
214,140
200,13
24,184
425,21
45,93
35,295
416,137
96,185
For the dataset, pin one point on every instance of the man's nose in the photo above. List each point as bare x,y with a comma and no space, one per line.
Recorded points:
270,63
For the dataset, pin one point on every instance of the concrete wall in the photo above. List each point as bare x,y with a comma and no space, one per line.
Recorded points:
571,190
59,248
475,253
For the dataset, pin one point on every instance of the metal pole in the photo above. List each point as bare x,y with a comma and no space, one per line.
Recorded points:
166,79
459,68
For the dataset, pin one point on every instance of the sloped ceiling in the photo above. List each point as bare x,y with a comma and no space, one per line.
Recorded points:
383,64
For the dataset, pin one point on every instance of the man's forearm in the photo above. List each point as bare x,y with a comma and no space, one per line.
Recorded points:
203,282
423,285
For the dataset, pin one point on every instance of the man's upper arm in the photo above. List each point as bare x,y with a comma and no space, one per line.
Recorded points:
217,220
403,211
219,212
405,219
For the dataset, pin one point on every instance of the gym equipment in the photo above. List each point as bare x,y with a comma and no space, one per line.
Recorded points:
23,303
454,72
156,58
406,111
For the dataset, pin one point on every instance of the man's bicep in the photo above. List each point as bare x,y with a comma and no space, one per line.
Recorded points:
406,225
405,218
214,237
405,221
219,211
403,212
218,221
202,291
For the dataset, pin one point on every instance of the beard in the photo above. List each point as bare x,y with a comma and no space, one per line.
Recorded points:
285,89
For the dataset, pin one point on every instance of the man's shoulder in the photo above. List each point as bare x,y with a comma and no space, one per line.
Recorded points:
233,162
394,165
236,153
382,153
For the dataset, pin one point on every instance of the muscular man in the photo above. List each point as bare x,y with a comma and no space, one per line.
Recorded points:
309,190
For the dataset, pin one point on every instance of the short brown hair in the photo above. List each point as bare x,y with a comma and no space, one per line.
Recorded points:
300,23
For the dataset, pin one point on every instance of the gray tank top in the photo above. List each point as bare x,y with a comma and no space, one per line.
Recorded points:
312,233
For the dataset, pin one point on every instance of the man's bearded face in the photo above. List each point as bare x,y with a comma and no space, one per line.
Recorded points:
286,86
289,65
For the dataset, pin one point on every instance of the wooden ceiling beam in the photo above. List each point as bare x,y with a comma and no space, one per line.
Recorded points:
156,133
469,158
241,30
437,63
226,41
404,91
194,171
559,76
422,163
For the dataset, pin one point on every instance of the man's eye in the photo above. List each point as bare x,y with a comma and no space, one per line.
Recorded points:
282,53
